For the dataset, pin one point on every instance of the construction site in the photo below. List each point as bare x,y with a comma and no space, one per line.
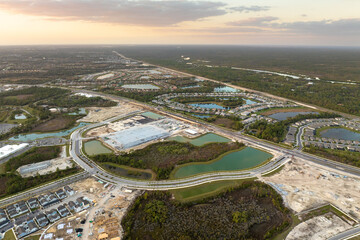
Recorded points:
305,186
99,222
96,114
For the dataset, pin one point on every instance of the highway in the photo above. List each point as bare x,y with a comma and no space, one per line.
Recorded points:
44,188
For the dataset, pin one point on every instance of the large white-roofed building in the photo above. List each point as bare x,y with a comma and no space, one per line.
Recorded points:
10,149
135,136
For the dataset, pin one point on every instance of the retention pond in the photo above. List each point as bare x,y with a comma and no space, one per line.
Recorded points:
234,161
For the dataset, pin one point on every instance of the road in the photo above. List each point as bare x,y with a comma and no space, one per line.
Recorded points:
353,232
41,189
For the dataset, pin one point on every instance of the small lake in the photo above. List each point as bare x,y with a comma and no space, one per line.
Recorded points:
81,111
123,172
20,117
243,159
34,136
140,86
201,116
199,141
152,115
153,72
285,115
208,105
248,102
340,133
225,89
95,147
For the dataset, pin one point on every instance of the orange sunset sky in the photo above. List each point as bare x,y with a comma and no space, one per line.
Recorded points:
265,22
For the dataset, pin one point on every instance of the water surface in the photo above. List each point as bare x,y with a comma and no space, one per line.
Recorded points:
140,86
285,115
243,159
34,136
340,133
95,147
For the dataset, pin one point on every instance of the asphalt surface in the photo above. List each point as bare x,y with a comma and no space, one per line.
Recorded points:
347,234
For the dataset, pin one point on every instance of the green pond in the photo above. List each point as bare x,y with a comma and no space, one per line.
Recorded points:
239,160
152,115
199,141
95,147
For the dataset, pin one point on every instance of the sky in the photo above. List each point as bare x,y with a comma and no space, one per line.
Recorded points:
236,22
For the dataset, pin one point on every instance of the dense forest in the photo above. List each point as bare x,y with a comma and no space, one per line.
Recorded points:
252,211
29,95
162,157
338,70
78,101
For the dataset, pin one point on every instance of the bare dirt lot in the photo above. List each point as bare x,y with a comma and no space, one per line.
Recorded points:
319,228
97,114
309,186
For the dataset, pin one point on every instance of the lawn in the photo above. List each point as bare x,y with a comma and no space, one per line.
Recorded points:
9,235
206,190
35,237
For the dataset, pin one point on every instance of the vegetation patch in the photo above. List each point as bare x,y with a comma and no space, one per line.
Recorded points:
280,110
347,157
252,210
276,132
60,122
78,101
125,171
34,155
11,183
29,95
162,157
205,190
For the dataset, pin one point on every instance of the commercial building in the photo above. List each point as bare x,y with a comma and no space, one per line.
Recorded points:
10,149
135,136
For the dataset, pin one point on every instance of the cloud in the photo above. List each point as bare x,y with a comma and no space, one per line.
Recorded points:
254,22
324,27
250,9
133,12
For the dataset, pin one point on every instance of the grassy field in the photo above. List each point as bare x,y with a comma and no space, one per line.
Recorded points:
35,237
206,190
9,235
273,172
125,171
56,124
2,168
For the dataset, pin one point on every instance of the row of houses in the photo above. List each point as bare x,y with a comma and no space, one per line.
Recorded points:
333,146
28,225
291,135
